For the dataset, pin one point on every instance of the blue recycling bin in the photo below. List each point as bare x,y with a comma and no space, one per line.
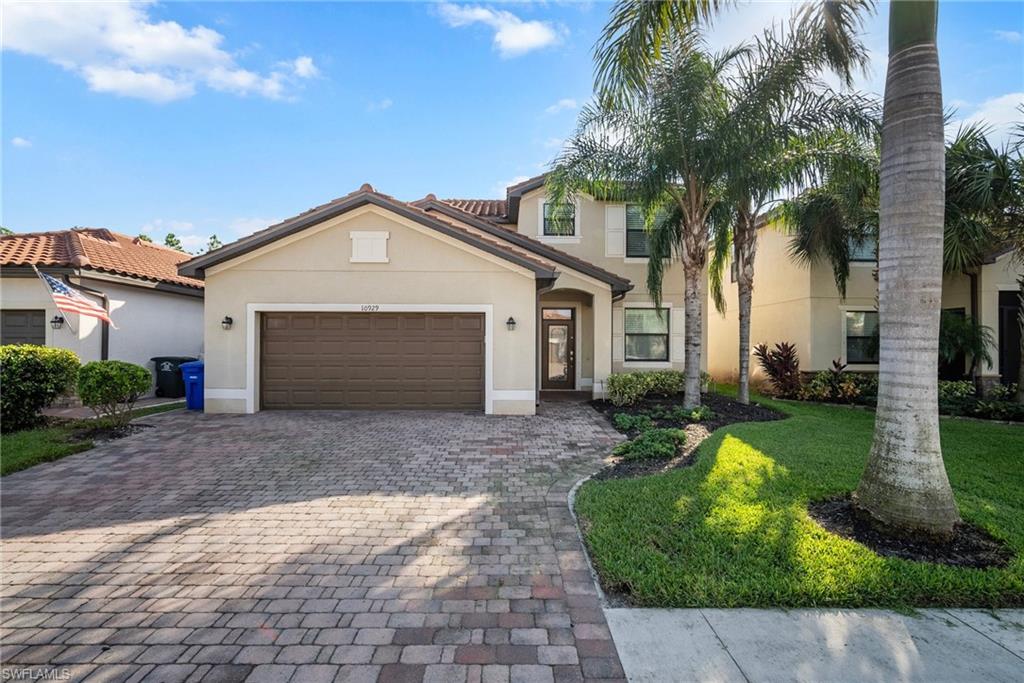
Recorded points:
193,374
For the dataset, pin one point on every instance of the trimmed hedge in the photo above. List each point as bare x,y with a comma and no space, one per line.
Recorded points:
627,388
111,388
31,377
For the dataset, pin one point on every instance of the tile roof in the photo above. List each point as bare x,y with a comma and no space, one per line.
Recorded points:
96,249
484,208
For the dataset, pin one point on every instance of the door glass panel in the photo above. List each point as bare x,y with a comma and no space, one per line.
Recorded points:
558,314
558,353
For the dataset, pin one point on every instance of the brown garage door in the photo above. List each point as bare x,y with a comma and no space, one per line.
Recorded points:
23,327
372,360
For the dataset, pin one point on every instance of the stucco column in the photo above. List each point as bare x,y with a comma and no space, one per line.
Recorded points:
988,315
602,340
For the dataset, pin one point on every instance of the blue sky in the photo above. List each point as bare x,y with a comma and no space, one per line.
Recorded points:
225,117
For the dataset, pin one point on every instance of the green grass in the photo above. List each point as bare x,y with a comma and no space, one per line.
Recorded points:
733,530
21,450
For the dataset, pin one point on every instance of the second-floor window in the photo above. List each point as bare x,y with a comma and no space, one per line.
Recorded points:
863,252
559,222
636,236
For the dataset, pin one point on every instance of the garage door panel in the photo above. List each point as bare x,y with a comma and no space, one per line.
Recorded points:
372,360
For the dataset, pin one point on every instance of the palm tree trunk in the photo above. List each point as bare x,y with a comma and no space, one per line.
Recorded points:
746,250
694,325
905,487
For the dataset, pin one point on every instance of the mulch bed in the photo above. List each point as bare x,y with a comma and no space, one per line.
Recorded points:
99,432
727,411
971,546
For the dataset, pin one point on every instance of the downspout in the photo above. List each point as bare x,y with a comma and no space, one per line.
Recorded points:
105,326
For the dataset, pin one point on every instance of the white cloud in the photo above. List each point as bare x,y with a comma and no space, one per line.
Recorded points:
21,142
499,188
163,226
512,35
554,143
380,105
1008,36
566,103
118,48
999,114
240,227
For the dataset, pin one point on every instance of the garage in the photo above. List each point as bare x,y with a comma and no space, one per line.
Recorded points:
383,361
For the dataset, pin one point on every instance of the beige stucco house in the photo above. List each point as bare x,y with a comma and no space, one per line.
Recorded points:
157,312
372,302
802,305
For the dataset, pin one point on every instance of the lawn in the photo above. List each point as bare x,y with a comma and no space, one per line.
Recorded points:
20,450
733,530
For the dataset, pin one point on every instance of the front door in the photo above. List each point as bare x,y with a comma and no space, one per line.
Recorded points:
558,349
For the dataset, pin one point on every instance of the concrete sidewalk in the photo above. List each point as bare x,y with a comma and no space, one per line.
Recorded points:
757,645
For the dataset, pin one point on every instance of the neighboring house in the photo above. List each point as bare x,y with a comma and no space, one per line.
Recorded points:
800,304
371,302
157,311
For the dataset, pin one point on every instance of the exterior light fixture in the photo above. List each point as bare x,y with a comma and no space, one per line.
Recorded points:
57,322
510,324
227,322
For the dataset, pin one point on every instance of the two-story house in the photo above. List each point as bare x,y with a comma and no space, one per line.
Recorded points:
801,304
372,302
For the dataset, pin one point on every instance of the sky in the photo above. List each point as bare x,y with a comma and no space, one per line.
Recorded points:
223,118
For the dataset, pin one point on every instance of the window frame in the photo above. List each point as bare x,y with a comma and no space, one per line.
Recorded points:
666,315
853,248
847,336
642,230
544,221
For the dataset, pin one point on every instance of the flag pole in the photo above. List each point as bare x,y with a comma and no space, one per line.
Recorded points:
50,291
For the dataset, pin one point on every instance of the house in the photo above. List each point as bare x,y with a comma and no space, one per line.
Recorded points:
157,312
371,302
801,304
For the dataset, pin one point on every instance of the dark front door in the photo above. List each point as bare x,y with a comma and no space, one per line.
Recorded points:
23,327
558,349
1009,337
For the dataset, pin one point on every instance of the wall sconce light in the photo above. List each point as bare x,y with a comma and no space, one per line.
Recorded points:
57,322
227,322
510,324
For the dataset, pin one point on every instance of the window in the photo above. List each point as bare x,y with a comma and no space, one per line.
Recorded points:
646,334
559,223
862,337
636,235
863,252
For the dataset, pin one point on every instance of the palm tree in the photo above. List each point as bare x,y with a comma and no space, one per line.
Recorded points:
665,145
824,35
904,486
785,125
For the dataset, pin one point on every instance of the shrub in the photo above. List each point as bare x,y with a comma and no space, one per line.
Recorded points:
1002,392
111,387
658,444
31,377
955,391
834,385
627,388
702,414
782,366
625,422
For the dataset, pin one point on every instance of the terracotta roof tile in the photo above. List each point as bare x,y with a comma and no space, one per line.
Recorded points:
96,249
484,208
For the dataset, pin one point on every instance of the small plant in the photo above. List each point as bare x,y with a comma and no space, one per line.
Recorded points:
625,422
702,414
782,365
956,390
628,388
111,388
654,444
32,377
1002,392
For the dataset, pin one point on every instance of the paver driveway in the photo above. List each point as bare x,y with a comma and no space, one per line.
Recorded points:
309,547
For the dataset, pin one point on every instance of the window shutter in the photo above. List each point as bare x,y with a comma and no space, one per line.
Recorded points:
615,230
677,344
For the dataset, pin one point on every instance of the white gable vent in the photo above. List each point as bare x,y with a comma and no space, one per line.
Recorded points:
369,246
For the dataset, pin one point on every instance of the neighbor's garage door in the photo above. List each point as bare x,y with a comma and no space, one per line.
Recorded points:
23,327
372,360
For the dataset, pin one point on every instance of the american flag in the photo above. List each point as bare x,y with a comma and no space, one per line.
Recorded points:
70,300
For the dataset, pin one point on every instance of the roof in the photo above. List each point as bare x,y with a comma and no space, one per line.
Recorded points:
366,195
491,209
618,284
514,193
97,249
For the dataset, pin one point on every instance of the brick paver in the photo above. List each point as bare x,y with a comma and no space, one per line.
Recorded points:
310,546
